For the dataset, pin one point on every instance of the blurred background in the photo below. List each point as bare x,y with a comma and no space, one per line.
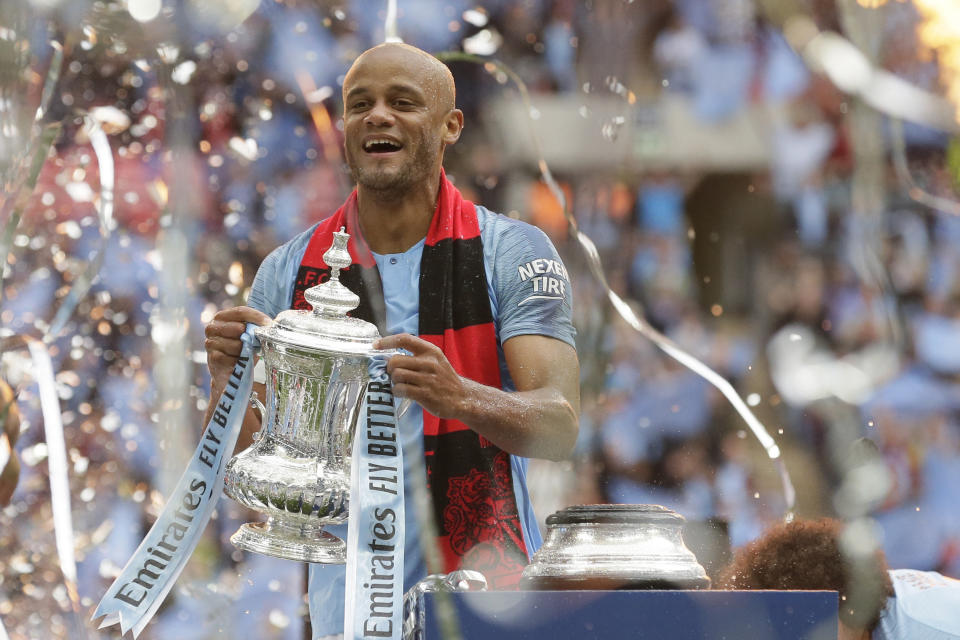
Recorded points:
771,184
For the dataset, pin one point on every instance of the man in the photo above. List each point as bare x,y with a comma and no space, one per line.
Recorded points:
480,301
875,603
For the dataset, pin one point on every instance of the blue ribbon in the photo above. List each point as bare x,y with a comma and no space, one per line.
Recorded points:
375,536
151,572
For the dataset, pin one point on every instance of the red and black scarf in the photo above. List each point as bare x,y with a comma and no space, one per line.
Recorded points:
470,479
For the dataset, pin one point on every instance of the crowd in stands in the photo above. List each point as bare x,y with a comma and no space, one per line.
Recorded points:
827,316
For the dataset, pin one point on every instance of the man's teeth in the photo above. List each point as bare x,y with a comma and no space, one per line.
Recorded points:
380,145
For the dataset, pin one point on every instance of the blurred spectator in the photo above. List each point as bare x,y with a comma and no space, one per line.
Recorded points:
875,602
733,263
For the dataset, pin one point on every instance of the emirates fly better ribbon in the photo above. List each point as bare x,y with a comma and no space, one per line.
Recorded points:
375,536
145,581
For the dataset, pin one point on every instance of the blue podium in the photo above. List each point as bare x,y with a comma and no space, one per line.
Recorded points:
650,615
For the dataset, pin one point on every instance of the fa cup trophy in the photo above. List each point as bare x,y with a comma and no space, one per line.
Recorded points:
297,472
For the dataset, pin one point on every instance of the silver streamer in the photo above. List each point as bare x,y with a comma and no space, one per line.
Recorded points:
852,72
635,321
23,168
104,207
59,480
916,193
390,31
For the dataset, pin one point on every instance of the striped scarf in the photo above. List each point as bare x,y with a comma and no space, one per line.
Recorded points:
470,479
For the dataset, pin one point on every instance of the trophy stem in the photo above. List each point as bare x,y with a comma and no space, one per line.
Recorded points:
301,542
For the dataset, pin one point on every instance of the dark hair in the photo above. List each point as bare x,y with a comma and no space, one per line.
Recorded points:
806,555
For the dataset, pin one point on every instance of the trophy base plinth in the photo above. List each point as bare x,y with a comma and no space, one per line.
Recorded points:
306,543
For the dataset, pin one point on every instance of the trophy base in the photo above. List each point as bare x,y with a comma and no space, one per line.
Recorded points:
305,543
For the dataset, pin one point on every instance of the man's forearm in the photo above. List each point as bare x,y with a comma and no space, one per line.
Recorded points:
533,424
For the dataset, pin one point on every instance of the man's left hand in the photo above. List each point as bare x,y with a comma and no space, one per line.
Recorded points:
426,376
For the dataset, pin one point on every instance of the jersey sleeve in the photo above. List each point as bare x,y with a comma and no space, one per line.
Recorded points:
531,284
272,289
266,294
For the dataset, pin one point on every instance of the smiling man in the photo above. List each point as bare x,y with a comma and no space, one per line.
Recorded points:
480,301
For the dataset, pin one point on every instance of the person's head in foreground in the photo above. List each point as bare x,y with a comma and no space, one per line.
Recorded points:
813,555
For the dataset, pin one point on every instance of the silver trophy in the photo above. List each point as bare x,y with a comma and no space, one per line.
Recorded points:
297,472
614,546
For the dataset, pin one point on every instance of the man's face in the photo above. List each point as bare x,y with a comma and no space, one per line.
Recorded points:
393,121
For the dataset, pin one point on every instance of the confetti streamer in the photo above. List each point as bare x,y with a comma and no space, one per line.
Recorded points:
104,207
390,30
624,310
59,479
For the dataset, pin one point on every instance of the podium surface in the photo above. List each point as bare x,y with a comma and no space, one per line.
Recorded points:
650,615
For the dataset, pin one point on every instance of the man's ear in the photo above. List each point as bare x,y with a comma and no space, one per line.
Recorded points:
452,126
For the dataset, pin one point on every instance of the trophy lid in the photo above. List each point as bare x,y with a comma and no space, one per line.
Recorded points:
615,514
327,327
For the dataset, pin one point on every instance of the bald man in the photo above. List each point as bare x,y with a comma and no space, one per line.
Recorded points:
482,303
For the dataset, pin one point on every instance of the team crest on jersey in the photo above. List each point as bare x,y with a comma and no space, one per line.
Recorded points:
548,279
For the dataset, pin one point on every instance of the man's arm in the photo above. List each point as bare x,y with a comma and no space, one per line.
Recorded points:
539,420
223,346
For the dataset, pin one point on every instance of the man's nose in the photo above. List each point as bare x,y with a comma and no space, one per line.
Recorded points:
379,114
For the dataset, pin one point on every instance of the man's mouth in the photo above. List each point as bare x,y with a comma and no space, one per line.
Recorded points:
381,145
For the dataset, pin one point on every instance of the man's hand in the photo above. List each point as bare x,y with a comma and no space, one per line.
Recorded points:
10,420
223,346
223,342
426,377
538,420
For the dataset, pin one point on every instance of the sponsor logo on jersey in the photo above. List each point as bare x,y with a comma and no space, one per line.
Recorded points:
548,279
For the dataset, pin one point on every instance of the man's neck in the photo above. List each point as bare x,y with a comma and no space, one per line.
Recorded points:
392,223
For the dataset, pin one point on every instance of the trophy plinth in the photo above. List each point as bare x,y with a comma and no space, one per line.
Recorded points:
614,546
305,542
297,473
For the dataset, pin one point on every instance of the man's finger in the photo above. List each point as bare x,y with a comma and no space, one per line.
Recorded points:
412,363
410,377
413,344
243,314
223,345
226,329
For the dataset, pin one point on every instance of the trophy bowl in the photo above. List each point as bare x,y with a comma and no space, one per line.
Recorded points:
297,471
614,546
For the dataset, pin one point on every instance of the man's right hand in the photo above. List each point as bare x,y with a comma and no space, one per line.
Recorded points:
223,342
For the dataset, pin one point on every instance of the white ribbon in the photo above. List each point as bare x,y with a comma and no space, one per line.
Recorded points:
147,578
375,530
57,466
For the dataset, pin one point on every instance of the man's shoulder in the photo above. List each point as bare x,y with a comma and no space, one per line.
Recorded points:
924,607
278,260
295,245
273,285
509,239
495,225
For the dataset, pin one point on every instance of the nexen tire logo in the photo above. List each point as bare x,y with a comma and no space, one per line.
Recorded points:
548,279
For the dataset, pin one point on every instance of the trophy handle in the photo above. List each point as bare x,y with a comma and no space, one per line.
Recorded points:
255,402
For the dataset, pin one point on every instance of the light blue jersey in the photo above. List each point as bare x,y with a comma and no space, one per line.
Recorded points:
529,292
926,607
